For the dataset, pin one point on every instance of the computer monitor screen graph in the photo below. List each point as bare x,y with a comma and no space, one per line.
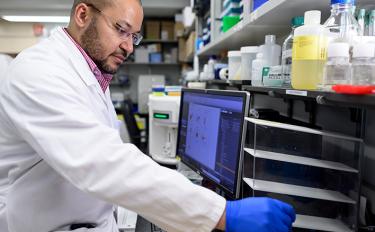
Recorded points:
210,135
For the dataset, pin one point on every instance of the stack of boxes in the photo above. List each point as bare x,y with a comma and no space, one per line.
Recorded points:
153,53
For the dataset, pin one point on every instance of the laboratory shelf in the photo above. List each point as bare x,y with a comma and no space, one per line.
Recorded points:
319,223
300,129
295,190
320,97
300,160
273,17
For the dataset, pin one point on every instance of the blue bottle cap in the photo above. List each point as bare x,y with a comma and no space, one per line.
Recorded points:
342,2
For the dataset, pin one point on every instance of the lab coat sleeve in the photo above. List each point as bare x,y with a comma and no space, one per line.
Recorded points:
51,115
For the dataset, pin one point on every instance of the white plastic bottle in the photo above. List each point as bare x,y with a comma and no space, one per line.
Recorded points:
338,68
309,52
363,64
286,57
361,21
271,51
257,70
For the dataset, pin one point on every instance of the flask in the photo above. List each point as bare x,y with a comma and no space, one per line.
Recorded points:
342,25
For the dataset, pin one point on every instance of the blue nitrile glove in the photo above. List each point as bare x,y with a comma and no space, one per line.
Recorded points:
259,215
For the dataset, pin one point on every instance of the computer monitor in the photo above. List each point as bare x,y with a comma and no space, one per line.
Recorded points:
211,135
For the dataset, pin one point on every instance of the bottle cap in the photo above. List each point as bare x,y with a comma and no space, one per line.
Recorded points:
298,21
270,39
342,2
372,13
313,17
250,49
362,13
366,50
338,50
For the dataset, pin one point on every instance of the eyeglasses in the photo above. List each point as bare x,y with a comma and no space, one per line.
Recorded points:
121,31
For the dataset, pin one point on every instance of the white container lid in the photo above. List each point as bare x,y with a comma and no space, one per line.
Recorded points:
234,54
313,17
338,50
364,50
250,49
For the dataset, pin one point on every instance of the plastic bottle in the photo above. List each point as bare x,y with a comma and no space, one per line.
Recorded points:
361,21
309,52
286,57
248,54
211,68
257,70
338,68
342,25
271,51
363,64
372,23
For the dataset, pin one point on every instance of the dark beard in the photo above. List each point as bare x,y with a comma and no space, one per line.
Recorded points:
92,46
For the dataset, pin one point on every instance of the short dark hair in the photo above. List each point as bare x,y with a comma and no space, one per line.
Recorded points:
101,4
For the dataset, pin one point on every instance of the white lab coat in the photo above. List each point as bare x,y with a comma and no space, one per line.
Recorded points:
62,160
4,63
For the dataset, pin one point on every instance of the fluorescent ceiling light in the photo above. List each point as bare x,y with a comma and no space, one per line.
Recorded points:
37,19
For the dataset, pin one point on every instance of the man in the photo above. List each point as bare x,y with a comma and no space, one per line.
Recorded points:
4,64
62,162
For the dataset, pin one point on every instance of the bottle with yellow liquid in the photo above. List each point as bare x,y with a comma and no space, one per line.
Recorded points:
309,52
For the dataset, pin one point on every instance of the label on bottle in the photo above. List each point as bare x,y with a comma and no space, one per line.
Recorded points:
310,48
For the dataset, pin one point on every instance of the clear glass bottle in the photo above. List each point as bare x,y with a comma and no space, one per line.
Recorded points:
337,69
342,25
363,64
286,57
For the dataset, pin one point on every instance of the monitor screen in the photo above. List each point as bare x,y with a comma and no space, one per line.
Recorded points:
210,135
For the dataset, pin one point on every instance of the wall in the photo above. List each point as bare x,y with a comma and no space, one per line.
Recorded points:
14,37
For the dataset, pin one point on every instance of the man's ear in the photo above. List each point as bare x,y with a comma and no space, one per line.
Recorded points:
82,15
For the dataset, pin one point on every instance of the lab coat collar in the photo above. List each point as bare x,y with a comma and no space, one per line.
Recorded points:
78,61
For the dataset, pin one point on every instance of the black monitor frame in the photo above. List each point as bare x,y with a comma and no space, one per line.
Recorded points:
245,109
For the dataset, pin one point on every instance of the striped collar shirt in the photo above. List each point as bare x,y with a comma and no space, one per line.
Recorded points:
103,78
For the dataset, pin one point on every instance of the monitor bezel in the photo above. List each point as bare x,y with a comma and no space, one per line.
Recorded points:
245,109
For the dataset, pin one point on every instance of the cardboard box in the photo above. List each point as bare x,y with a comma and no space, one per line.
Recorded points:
152,29
190,46
178,29
153,48
141,55
167,30
181,49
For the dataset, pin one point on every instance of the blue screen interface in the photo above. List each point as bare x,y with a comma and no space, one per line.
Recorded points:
210,136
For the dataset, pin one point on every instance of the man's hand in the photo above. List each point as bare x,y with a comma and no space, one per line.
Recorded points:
257,215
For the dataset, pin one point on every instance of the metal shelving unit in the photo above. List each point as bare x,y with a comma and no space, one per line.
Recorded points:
273,17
